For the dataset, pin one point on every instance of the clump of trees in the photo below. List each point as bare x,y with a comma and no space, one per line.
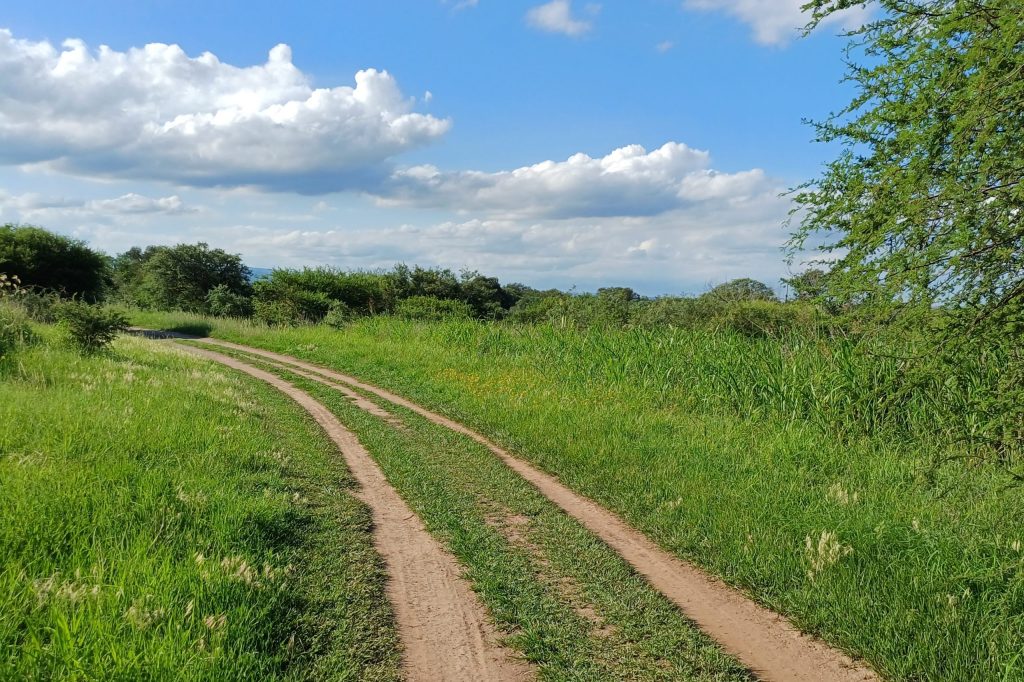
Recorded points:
190,277
51,262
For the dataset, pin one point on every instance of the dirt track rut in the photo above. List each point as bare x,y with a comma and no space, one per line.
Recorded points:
764,641
443,627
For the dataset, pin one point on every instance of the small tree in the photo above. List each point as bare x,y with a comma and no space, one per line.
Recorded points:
428,308
223,302
923,206
808,285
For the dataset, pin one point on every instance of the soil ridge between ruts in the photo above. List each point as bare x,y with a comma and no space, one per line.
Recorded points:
764,641
445,630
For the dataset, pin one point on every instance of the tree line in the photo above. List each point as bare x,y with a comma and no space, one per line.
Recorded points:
200,279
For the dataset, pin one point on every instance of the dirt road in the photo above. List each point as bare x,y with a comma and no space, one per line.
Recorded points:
762,640
443,627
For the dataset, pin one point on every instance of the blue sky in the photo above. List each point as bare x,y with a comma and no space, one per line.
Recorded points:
480,134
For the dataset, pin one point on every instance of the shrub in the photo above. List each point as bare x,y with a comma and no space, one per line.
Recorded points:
743,289
338,316
758,319
53,262
39,304
221,301
536,308
179,277
428,308
15,330
90,328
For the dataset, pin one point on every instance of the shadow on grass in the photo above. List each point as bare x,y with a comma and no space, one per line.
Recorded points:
192,328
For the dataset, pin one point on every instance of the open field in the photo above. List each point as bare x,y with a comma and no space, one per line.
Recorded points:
853,536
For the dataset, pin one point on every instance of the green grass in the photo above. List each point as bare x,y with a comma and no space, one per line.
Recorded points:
164,519
735,454
567,601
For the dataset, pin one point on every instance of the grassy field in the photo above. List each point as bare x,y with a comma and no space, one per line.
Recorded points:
722,450
161,518
569,603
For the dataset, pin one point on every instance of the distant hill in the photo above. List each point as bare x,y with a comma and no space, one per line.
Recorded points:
259,273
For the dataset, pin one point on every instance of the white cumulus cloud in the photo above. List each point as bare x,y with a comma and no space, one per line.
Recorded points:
557,17
134,204
156,113
629,181
33,207
776,22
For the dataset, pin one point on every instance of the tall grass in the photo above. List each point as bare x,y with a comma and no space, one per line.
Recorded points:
160,519
798,470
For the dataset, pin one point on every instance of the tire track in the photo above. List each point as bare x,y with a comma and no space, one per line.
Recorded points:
445,630
761,639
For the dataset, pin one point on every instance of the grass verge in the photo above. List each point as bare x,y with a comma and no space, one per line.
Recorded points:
162,518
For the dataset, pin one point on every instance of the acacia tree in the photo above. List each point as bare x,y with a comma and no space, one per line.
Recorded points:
923,205
922,209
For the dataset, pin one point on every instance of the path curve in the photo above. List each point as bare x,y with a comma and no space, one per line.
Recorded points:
764,641
443,627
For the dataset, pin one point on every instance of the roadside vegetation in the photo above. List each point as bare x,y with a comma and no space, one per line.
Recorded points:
161,518
722,448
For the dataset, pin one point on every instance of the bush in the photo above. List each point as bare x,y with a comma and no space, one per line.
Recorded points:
53,262
758,319
90,328
221,301
40,305
534,309
338,316
15,330
428,308
743,289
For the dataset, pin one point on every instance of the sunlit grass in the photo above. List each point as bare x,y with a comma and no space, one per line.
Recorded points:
161,519
776,465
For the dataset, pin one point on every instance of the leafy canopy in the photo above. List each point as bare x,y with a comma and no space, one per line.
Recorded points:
180,277
922,209
52,262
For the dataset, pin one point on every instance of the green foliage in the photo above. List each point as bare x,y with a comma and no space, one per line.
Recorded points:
179,277
51,262
743,289
767,319
923,207
809,285
163,519
427,308
90,328
338,316
15,328
294,296
485,296
221,301
436,282
281,303
534,307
